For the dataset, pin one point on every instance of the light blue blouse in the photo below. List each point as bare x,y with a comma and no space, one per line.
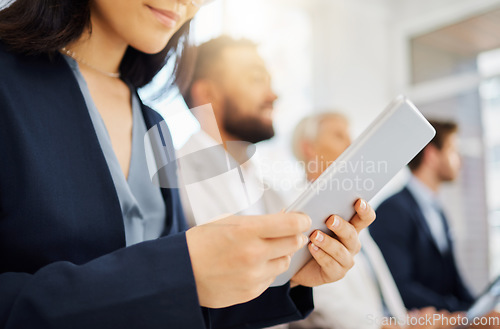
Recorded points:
141,202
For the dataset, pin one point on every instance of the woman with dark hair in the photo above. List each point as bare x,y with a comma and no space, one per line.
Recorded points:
86,239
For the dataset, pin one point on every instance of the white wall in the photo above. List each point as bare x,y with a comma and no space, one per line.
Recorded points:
361,55
411,18
351,58
361,61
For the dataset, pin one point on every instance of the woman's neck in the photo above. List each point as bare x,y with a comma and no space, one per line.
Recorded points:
101,49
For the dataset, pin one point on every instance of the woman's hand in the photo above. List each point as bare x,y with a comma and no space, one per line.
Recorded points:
333,257
235,259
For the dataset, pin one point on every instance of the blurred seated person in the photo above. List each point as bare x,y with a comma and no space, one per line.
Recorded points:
231,76
413,232
369,296
231,97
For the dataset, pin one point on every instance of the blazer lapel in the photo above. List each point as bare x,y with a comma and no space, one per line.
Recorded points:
421,221
151,119
80,115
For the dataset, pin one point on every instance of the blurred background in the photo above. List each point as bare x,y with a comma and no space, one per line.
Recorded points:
354,56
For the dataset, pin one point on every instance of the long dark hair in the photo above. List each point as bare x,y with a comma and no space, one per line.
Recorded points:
45,26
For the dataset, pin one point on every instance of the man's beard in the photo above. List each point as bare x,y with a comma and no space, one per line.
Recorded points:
247,128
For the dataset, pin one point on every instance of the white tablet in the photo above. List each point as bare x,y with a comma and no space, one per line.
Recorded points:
380,152
486,302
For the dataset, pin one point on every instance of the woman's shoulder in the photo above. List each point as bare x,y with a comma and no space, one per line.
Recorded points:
34,81
21,72
6,57
11,66
16,63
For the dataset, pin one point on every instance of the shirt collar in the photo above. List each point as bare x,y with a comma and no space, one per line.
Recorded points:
201,140
422,193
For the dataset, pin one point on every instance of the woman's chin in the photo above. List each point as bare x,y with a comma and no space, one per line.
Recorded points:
152,47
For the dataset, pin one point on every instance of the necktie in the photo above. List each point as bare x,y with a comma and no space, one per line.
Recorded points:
441,229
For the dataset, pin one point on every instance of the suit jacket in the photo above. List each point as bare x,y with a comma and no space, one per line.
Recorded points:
63,261
424,276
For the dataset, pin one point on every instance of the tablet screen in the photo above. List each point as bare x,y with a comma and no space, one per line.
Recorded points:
486,302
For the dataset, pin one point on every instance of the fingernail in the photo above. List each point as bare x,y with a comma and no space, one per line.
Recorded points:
319,237
309,220
362,205
315,248
336,222
305,239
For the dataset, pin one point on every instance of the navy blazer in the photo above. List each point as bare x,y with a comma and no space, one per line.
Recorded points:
424,276
63,261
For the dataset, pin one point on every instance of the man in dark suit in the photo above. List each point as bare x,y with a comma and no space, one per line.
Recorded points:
413,234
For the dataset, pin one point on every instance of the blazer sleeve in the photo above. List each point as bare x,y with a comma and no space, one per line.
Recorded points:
464,293
275,306
149,285
393,232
